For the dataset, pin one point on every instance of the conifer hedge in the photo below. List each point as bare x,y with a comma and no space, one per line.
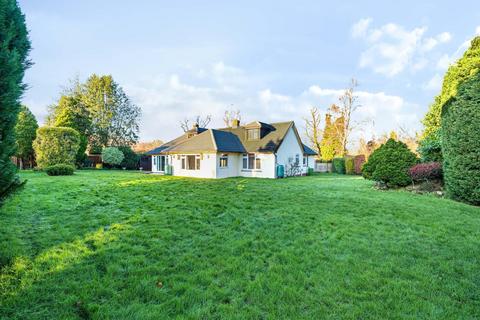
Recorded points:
461,142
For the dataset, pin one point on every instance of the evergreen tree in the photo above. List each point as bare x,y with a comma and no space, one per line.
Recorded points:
25,133
14,49
463,69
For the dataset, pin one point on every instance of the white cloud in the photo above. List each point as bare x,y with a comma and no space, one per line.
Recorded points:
477,31
359,29
167,99
392,48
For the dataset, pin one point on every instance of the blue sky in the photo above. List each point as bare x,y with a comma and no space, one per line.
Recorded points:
270,59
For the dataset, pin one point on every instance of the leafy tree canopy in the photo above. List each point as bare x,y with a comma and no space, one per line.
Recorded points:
14,49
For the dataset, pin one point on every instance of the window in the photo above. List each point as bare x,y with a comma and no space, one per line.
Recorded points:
304,161
251,161
258,163
253,134
224,160
191,162
297,159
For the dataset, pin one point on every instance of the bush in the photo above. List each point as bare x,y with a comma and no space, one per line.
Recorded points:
430,149
389,164
56,145
358,162
98,166
130,158
60,170
112,156
338,165
461,144
349,165
429,171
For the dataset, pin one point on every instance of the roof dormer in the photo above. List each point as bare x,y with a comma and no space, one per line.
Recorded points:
257,130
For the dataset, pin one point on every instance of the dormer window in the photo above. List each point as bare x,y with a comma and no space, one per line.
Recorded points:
253,134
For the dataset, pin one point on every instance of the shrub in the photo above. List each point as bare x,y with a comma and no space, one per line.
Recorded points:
60,170
112,156
56,145
430,149
338,165
98,166
460,142
349,165
426,171
358,161
389,164
130,158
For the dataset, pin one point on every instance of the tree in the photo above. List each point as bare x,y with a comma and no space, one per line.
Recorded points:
72,113
344,112
56,145
465,68
14,49
231,115
197,120
461,144
313,130
112,156
25,133
114,117
331,144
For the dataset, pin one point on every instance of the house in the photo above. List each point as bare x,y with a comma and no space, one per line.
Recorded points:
258,149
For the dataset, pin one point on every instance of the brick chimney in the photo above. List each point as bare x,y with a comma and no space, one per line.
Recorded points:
235,123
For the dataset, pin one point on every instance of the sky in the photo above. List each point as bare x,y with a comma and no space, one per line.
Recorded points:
272,60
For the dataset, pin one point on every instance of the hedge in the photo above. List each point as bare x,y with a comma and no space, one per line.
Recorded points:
359,161
461,143
338,165
56,145
349,165
60,170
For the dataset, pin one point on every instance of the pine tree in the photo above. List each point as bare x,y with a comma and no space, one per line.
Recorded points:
14,49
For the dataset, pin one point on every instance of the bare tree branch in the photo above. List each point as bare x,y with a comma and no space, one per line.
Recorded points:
313,130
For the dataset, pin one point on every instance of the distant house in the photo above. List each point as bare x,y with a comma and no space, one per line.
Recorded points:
255,150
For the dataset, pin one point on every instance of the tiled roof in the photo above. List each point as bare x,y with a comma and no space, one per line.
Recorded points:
230,140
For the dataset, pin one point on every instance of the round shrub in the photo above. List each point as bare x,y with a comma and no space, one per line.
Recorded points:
130,158
60,170
389,164
112,156
338,165
461,143
56,145
349,165
358,162
430,171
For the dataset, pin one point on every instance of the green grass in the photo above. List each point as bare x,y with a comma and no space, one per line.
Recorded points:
123,245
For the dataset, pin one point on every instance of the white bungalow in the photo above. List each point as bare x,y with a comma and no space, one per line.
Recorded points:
255,150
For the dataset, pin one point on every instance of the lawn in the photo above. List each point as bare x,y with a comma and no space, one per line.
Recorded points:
125,245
